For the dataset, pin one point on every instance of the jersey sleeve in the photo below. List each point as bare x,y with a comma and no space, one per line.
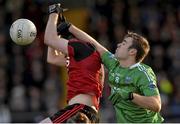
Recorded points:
147,83
109,60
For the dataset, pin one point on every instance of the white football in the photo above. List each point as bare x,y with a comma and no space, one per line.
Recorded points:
23,31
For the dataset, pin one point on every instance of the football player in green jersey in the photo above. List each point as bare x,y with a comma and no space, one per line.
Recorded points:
134,92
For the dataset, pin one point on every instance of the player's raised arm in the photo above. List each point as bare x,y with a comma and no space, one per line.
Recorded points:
85,37
66,27
51,37
55,57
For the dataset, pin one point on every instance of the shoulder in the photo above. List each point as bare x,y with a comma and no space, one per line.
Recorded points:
145,72
144,68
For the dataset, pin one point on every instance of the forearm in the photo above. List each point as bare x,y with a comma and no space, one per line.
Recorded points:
81,35
50,32
149,102
87,38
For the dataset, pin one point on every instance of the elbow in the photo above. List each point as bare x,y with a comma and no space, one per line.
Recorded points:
156,104
49,39
157,108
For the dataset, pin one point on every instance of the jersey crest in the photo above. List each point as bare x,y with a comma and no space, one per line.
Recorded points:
128,80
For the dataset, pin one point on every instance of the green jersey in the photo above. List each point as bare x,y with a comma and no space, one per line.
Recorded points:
140,79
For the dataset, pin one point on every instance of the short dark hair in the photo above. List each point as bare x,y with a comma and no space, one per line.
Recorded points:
140,44
79,117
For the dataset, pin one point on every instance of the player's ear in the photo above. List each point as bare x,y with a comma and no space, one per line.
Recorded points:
132,51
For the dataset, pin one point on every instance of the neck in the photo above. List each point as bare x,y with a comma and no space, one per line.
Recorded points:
127,63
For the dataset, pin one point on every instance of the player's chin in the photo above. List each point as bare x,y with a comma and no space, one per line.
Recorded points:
116,55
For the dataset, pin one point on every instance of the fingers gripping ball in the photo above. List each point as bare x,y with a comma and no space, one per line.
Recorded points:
23,32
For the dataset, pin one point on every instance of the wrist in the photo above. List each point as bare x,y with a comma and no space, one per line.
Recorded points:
54,15
63,28
70,28
131,96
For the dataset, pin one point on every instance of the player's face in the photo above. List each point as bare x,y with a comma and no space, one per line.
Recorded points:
122,51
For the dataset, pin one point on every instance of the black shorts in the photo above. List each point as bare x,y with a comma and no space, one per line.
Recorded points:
63,115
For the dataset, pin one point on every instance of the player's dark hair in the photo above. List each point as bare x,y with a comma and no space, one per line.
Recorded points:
79,117
140,44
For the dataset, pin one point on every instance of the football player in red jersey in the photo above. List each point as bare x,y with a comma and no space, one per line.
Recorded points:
85,72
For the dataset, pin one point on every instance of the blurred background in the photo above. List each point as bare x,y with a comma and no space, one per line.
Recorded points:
31,89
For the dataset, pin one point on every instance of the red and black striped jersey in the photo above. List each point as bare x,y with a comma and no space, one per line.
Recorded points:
84,69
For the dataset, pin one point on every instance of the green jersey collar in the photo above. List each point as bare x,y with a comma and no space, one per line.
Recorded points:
135,65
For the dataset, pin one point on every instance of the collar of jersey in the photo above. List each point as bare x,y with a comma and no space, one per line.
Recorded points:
133,66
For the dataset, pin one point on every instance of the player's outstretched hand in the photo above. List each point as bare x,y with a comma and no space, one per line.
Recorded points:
56,8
